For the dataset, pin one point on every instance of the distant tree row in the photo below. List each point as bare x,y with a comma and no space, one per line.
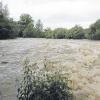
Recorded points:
26,27
76,32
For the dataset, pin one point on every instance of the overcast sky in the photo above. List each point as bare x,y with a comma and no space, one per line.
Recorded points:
57,13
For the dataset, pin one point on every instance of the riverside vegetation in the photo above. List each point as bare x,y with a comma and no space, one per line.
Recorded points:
26,27
42,84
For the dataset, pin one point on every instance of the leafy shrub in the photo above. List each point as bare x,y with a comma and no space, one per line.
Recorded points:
76,32
4,33
41,84
94,32
29,31
48,33
59,33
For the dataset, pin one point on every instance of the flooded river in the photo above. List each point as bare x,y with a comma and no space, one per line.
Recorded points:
80,59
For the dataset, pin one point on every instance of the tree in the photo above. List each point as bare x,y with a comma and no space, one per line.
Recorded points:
86,33
48,33
4,33
25,20
5,28
6,11
76,32
39,28
94,32
15,28
29,31
59,33
1,8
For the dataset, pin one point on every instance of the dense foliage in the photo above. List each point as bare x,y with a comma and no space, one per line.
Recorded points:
59,33
94,31
76,32
5,28
26,27
40,84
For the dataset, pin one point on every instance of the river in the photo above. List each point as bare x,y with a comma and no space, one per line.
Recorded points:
79,58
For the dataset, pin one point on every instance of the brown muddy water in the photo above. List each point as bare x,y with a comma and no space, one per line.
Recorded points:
80,59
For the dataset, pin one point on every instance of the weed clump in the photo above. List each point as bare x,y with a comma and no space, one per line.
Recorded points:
41,84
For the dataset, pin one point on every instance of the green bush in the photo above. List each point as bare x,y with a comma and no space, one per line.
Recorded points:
94,32
41,84
48,33
76,32
29,31
59,33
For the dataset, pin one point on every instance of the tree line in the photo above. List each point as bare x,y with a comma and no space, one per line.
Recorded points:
26,27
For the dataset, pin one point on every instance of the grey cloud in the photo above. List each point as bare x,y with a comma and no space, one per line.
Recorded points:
72,18
57,12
